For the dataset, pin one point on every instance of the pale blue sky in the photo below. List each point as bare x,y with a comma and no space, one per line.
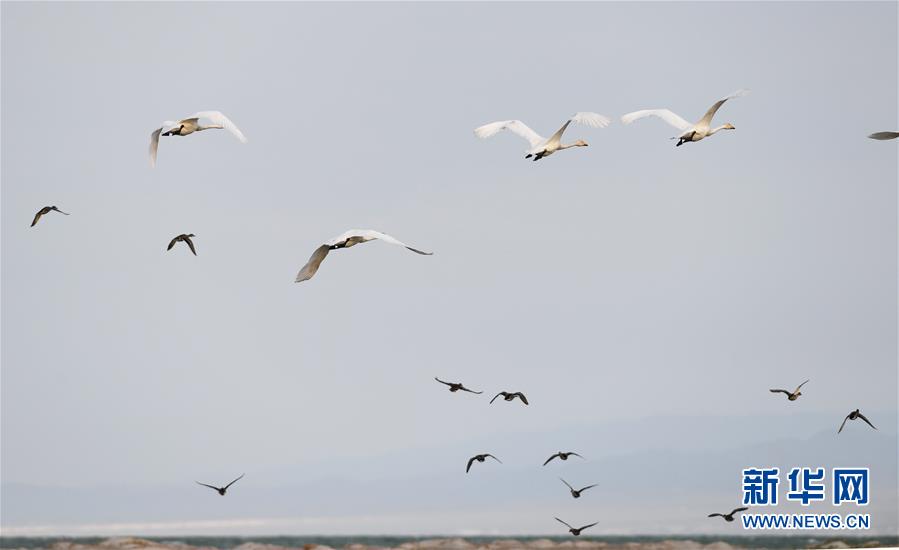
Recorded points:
645,295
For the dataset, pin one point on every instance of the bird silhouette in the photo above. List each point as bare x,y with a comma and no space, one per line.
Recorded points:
576,531
45,210
221,490
510,396
730,516
854,415
793,395
454,387
561,455
480,458
576,493
186,239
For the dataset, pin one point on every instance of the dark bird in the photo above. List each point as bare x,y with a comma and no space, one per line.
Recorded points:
730,516
794,395
480,458
574,531
884,135
186,239
510,396
454,387
576,493
561,455
45,210
221,490
852,416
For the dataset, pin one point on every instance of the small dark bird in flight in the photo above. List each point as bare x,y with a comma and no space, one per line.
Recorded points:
730,516
184,238
574,531
510,396
576,493
561,455
480,458
852,416
884,135
222,490
45,210
454,387
794,395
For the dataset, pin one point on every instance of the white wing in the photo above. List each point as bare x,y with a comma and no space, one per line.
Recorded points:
218,118
884,135
154,139
370,235
312,265
707,118
517,127
663,114
154,145
593,120
588,119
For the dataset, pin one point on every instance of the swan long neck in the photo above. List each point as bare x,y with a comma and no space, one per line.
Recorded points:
570,145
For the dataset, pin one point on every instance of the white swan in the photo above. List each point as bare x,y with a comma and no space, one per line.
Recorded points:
190,125
690,132
540,146
346,240
884,135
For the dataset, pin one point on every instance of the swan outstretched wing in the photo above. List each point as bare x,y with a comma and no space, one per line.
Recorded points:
312,265
154,145
594,120
370,235
707,118
663,114
884,135
218,118
517,127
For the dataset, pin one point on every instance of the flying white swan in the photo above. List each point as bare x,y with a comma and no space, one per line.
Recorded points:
346,240
540,146
690,132
190,125
884,135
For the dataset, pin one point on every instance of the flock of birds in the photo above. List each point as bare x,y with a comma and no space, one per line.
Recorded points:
540,147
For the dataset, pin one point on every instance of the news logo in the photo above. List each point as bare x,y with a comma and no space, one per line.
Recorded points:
807,486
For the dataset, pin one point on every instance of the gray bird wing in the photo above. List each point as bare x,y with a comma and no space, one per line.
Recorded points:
312,265
235,481
884,135
860,415
843,424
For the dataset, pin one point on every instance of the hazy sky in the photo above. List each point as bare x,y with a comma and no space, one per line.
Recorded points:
644,297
